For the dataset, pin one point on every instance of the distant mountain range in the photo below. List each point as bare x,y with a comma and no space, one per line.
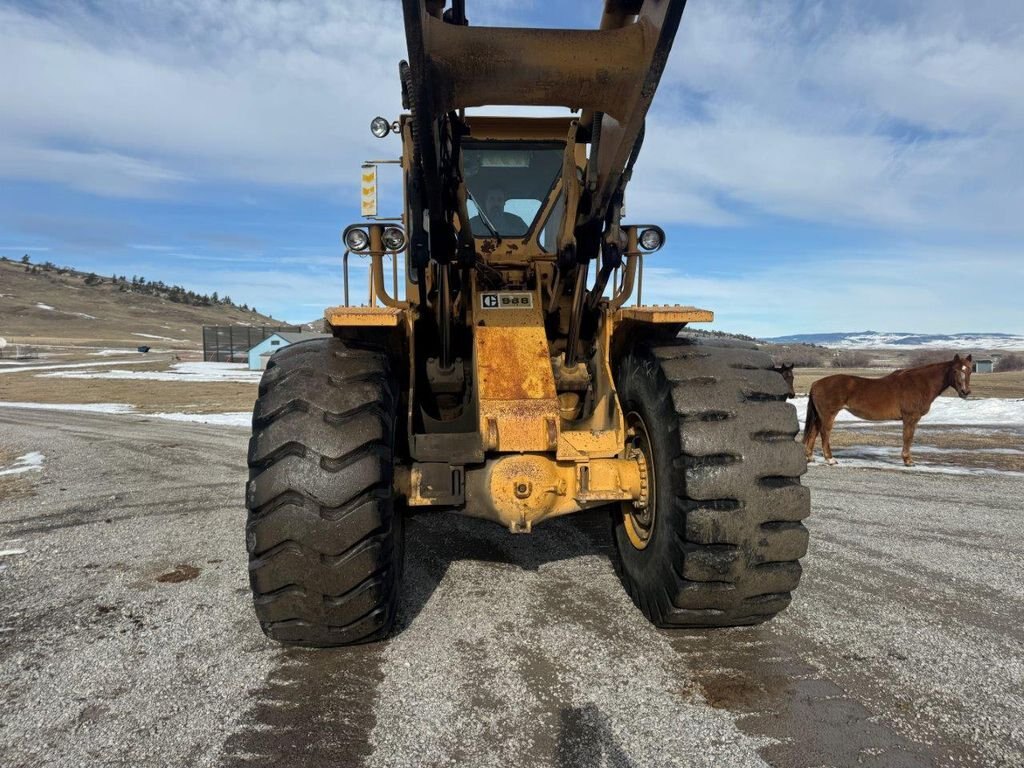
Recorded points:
889,340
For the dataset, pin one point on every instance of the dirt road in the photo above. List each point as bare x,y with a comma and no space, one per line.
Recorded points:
126,635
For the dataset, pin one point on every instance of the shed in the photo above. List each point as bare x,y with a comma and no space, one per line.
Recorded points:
984,365
260,355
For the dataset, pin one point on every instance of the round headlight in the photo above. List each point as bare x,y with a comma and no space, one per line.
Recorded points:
357,240
652,239
394,239
380,127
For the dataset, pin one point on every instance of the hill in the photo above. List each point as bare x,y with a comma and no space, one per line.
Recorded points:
319,325
889,340
46,304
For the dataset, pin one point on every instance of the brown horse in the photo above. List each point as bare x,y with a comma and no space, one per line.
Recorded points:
786,372
903,394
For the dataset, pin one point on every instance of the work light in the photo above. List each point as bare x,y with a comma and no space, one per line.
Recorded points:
380,127
357,240
652,239
394,238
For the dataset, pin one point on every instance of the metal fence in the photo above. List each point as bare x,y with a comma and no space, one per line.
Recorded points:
231,343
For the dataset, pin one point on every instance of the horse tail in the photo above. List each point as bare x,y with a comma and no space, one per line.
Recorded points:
812,419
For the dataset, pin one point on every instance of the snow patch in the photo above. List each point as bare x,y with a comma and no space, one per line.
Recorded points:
48,308
72,407
29,462
961,451
190,372
888,340
877,457
231,419
68,366
158,338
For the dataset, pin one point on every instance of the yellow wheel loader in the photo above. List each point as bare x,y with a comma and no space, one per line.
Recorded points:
505,365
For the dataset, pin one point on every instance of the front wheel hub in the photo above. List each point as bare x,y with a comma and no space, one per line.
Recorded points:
639,515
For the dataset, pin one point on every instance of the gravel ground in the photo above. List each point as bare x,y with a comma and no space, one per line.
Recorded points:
127,639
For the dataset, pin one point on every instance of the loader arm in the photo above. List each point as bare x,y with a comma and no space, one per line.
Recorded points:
610,73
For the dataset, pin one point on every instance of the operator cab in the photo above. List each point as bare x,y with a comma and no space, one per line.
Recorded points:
509,185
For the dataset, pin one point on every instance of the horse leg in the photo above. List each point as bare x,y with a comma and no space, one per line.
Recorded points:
826,435
909,426
810,437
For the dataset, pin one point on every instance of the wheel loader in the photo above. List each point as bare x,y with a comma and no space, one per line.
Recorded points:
504,364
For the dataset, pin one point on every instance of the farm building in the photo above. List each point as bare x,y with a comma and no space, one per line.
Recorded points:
260,354
231,343
985,365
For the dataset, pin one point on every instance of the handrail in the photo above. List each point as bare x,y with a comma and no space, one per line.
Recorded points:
376,252
632,274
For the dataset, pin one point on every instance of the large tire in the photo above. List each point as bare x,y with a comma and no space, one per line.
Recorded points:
725,536
323,536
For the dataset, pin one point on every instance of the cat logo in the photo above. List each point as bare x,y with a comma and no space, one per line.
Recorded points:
518,300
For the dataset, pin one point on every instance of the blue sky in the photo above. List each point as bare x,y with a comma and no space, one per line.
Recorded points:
818,166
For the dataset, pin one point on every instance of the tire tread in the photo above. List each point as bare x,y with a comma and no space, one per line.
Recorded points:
323,540
737,503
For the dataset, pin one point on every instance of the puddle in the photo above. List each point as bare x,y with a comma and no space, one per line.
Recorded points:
812,720
316,709
181,572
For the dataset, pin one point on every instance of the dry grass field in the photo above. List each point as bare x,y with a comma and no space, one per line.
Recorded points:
217,396
146,395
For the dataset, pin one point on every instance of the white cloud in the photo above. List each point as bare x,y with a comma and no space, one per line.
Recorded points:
275,93
909,288
102,172
835,113
796,109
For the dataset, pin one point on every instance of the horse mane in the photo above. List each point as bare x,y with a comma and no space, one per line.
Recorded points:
919,368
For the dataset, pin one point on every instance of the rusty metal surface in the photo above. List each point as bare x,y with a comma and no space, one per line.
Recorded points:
377,317
518,406
585,69
513,364
517,128
578,445
666,314
517,401
433,484
520,491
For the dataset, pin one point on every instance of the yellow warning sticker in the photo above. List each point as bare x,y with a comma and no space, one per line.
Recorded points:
368,201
